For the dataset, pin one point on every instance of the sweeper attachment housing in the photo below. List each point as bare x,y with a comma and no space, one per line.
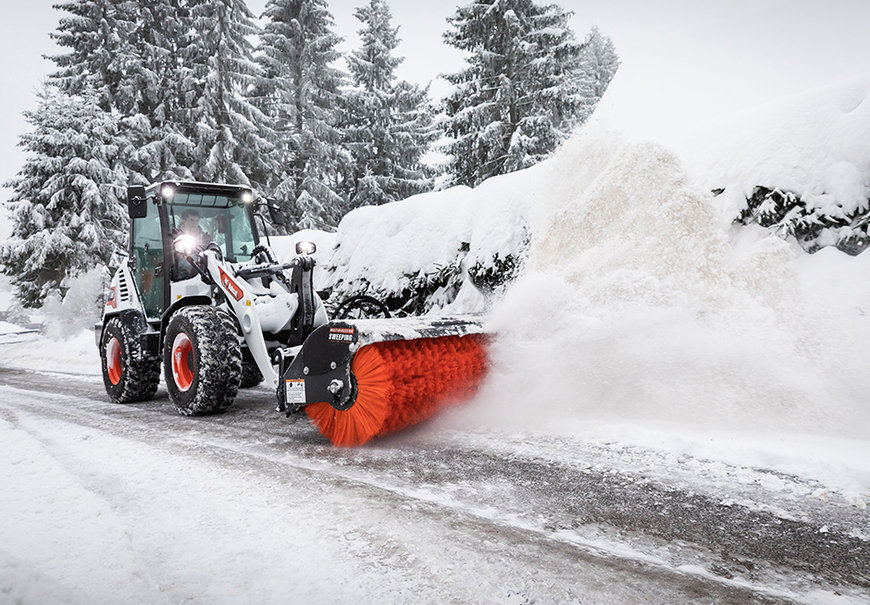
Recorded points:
202,295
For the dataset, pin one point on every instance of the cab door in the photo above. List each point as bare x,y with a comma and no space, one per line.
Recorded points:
146,245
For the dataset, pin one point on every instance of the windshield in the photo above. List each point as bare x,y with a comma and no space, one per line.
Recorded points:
221,219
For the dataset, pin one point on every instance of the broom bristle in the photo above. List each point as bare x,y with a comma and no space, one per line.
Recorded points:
400,383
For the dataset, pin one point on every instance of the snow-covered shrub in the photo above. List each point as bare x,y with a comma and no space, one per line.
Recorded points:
799,166
812,224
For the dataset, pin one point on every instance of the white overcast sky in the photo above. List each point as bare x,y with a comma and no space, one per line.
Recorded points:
683,60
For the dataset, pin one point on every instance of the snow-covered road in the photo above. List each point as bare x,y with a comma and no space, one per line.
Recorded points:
107,503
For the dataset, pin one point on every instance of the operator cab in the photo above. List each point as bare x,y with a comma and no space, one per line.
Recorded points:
203,213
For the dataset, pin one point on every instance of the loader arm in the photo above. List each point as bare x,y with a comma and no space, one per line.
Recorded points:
241,302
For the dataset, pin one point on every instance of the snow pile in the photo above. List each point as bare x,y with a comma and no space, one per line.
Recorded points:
634,308
74,354
63,340
801,164
446,250
80,308
813,144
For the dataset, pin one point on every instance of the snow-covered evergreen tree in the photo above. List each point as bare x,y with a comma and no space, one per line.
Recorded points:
599,63
127,53
300,92
151,95
389,122
65,204
520,92
229,138
96,34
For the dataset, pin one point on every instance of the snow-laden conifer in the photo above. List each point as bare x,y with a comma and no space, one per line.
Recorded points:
151,95
65,204
389,122
128,54
227,128
599,63
95,34
300,93
520,93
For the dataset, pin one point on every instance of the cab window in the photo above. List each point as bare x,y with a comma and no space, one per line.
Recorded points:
147,249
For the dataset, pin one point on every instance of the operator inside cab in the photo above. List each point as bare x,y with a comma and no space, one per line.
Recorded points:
190,225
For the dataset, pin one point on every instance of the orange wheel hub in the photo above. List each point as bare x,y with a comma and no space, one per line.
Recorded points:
114,365
183,364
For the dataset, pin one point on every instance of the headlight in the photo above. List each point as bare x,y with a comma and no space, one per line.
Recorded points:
305,248
247,197
167,191
185,243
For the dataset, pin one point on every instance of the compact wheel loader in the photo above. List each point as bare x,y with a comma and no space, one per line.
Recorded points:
203,295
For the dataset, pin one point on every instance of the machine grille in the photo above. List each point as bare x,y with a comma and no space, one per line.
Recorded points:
123,289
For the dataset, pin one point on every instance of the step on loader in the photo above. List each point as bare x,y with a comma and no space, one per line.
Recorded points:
202,294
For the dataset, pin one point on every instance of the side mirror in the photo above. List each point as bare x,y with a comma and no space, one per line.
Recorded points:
275,212
137,200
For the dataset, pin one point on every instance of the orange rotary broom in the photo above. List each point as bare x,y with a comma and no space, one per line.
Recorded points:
360,379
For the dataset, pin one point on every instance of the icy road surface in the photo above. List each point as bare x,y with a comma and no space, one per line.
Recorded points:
108,503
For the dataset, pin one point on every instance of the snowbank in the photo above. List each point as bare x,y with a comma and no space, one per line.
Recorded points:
800,166
446,250
62,340
813,144
73,354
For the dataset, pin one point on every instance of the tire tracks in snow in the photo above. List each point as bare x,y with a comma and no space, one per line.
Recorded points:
681,538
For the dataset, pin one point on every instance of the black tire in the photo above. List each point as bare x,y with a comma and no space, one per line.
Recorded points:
205,377
251,375
130,373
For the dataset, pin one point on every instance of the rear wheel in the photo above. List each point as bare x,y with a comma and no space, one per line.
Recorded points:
130,373
202,360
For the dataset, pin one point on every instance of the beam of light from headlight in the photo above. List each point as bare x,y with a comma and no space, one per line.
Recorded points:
185,243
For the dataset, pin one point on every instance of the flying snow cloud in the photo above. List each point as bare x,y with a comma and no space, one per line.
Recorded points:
634,307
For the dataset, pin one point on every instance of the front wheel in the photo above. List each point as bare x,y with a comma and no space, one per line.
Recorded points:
130,373
202,360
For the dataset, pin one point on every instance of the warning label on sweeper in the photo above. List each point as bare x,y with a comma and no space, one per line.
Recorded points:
295,391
